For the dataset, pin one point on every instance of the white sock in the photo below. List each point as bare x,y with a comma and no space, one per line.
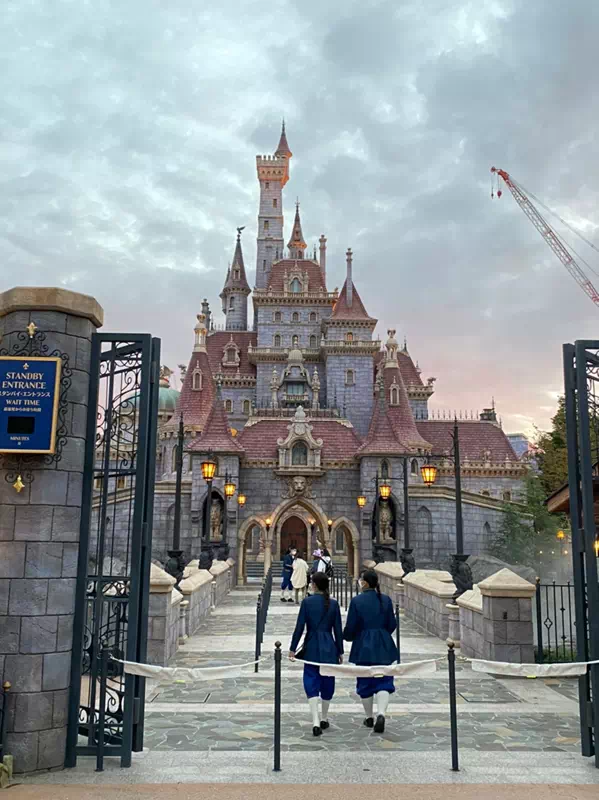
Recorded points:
313,703
325,709
368,703
382,701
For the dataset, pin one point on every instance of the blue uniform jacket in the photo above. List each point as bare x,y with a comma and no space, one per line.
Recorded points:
288,564
370,623
324,636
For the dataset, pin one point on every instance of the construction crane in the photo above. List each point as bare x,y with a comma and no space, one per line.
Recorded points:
550,236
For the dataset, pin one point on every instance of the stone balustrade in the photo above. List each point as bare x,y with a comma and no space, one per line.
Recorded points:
390,580
163,617
427,594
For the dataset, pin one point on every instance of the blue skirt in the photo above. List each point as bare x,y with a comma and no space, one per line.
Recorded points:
366,687
286,584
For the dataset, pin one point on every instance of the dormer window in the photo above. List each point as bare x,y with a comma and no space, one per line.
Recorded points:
350,377
236,274
394,399
196,380
299,455
295,286
231,355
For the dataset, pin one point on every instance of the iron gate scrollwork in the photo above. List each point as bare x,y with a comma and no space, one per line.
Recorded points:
581,374
106,709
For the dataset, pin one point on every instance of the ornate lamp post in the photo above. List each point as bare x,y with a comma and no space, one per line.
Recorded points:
361,500
208,468
229,492
460,571
176,563
311,542
241,498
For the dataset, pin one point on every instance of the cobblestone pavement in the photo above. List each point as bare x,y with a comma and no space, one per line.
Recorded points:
508,715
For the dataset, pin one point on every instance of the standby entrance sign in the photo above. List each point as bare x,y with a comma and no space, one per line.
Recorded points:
29,399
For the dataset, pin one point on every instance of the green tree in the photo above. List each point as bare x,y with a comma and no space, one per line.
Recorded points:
552,457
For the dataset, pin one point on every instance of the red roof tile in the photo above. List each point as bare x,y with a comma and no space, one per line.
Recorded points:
277,273
409,373
401,415
355,311
260,440
216,435
283,148
381,439
195,404
215,344
475,439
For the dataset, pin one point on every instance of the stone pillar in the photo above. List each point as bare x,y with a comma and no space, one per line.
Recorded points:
39,535
454,624
507,618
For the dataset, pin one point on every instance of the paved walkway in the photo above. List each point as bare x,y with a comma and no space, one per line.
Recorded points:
510,730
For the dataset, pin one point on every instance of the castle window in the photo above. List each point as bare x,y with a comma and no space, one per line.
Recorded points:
228,406
231,302
349,337
486,493
265,225
295,286
196,380
277,316
312,316
299,455
414,467
277,341
507,496
274,203
295,317
340,541
231,355
98,483
313,342
121,483
350,377
264,264
394,398
236,274
295,341
385,472
246,407
267,185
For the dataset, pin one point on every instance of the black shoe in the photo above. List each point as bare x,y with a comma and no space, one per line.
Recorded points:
369,722
316,731
283,599
324,725
291,600
379,725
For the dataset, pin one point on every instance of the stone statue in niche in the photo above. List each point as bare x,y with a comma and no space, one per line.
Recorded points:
216,522
385,521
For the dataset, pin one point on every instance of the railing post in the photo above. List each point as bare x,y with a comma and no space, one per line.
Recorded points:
397,636
277,725
104,656
539,623
258,640
453,707
6,686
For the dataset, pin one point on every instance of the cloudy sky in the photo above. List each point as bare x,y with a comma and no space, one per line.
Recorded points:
129,128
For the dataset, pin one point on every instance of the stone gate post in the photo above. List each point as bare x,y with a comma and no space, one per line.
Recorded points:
39,533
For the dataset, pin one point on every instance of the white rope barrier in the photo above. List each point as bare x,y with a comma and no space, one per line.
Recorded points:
566,670
155,672
411,669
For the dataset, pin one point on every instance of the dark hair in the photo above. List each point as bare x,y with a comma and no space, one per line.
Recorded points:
325,552
299,554
321,581
370,577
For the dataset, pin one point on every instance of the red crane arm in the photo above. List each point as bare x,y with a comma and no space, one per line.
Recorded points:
550,236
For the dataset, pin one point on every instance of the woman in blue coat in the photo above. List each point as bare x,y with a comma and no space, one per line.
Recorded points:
320,616
286,585
370,623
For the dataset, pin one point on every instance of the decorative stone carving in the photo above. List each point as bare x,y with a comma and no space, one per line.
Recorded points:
298,486
300,431
385,520
231,356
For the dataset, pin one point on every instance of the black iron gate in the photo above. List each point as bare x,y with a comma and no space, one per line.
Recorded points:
106,710
581,374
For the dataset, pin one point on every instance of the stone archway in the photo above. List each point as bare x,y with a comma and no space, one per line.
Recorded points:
244,531
352,541
297,506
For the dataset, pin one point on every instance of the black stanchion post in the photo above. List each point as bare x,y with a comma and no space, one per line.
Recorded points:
258,641
397,633
104,656
540,654
277,727
453,707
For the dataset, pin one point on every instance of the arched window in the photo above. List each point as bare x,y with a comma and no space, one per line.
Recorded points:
299,454
277,316
295,286
394,396
313,342
231,302
313,316
340,539
228,406
507,496
196,380
295,317
414,467
264,264
246,407
254,539
385,471
349,337
423,530
350,377
267,184
277,340
295,341
236,274
231,355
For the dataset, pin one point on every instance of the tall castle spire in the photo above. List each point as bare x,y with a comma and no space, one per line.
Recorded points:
235,291
273,174
297,244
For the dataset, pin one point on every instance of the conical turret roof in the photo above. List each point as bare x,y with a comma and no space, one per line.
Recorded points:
283,148
236,279
216,435
297,240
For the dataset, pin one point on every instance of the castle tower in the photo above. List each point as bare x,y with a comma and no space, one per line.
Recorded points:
273,174
297,244
235,292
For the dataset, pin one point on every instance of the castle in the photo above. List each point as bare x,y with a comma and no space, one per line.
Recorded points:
305,412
